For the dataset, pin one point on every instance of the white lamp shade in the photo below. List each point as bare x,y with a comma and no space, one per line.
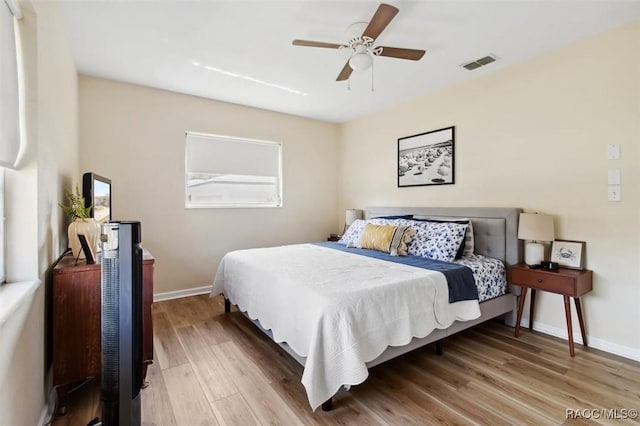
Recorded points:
360,61
536,227
352,215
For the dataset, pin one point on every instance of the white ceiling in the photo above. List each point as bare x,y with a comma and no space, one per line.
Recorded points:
246,57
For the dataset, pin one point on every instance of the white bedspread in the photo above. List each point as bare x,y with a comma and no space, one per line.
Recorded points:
339,310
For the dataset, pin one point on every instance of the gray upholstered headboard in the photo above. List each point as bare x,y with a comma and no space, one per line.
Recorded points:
495,229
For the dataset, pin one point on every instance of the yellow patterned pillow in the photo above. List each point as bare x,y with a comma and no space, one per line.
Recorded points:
387,238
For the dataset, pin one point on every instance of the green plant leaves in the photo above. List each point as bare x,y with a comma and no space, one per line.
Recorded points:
76,208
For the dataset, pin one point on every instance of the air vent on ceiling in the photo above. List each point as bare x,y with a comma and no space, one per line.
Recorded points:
480,62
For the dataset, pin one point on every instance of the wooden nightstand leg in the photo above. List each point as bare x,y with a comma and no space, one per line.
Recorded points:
523,296
532,306
567,311
581,320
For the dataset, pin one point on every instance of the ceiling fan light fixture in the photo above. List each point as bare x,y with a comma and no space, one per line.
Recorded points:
360,61
361,36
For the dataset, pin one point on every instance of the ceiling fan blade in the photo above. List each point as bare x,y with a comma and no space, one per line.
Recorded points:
345,73
309,43
380,20
399,52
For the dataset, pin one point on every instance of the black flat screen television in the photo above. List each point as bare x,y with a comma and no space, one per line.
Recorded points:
96,191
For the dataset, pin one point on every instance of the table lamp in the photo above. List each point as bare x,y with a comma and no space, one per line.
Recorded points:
535,228
351,216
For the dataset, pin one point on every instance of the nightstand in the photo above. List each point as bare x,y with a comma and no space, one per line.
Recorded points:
567,282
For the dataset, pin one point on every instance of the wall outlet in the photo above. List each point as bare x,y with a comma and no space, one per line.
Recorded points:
614,193
613,151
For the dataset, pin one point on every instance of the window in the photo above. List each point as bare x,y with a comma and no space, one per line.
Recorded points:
10,146
9,89
223,171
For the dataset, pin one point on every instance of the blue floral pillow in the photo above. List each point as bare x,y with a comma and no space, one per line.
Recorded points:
468,245
352,236
437,240
388,221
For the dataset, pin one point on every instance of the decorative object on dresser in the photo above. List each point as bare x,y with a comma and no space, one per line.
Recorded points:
81,223
96,190
351,216
535,227
569,254
75,320
566,282
427,158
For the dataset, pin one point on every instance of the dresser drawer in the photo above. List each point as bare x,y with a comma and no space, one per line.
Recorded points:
543,281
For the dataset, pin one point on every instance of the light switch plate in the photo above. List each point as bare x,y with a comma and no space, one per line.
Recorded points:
613,151
613,177
614,193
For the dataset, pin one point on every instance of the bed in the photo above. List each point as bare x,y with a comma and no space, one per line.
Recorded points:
339,313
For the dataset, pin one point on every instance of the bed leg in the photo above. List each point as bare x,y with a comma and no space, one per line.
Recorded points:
439,347
227,305
327,405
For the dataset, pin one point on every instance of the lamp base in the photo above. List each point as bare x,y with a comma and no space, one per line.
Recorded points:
533,253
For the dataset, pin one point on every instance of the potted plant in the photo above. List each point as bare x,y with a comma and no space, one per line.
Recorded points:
81,223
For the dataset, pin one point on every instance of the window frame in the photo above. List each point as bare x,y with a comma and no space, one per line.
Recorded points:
213,137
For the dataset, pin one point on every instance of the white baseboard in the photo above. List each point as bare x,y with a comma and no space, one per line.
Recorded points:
604,345
158,297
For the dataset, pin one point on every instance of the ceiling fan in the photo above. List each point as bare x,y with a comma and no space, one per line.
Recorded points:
361,36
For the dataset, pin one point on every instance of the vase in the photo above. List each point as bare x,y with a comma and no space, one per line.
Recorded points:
90,229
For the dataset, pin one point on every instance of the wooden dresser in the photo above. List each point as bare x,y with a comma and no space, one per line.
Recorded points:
76,321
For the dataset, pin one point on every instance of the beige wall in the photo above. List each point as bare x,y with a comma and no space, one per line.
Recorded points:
534,136
36,232
135,136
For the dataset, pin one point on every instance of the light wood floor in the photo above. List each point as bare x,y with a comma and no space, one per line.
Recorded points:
214,368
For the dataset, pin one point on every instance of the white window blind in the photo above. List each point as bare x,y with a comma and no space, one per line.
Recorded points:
10,143
223,171
9,88
3,272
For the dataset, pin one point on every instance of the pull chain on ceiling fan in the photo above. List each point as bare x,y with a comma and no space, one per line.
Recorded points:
361,36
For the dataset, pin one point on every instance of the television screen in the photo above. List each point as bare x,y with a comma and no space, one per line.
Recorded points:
97,191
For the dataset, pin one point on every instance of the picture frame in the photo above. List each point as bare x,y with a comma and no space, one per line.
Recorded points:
427,158
569,254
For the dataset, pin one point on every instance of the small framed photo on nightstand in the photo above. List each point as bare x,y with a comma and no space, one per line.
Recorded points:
569,254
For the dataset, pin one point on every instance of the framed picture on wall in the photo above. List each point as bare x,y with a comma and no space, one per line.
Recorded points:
569,254
427,158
